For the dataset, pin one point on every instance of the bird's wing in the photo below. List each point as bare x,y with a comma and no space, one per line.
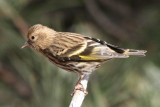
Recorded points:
101,50
67,44
80,48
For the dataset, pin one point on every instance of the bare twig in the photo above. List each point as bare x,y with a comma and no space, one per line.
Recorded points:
79,95
15,82
118,7
104,21
13,14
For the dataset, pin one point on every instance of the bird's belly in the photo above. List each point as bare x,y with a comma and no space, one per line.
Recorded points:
73,66
77,67
81,67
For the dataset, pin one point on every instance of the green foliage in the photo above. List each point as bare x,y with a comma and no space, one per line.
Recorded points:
34,82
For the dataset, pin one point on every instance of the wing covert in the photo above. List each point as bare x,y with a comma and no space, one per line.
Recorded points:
67,44
75,47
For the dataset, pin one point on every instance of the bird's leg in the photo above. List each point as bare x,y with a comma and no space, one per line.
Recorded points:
79,86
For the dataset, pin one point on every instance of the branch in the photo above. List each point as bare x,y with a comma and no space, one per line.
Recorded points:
15,82
104,21
13,14
118,7
79,95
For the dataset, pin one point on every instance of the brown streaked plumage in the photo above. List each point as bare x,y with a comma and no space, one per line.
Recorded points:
74,52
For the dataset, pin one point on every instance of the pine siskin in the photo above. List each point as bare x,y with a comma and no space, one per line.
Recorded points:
74,52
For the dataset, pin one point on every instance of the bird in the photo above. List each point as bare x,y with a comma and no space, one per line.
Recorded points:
74,52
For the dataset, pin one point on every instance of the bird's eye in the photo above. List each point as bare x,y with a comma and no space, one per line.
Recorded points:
32,37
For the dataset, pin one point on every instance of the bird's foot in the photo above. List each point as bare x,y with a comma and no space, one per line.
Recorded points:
80,87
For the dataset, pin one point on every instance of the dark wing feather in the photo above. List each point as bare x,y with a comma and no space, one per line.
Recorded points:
75,47
101,50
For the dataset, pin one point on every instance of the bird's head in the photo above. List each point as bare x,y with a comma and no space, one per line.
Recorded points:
39,37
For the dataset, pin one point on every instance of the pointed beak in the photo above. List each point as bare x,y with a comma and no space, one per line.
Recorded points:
25,45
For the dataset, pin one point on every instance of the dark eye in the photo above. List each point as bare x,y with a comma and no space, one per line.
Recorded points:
32,37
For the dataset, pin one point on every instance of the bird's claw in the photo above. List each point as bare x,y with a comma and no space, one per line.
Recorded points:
79,87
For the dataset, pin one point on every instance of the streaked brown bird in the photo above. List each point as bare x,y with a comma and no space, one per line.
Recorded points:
74,52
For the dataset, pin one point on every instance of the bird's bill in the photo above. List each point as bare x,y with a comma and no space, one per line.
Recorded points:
25,45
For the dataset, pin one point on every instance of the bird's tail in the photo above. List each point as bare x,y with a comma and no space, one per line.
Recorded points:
135,52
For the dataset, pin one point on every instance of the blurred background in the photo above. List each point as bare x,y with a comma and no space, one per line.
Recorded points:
27,79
